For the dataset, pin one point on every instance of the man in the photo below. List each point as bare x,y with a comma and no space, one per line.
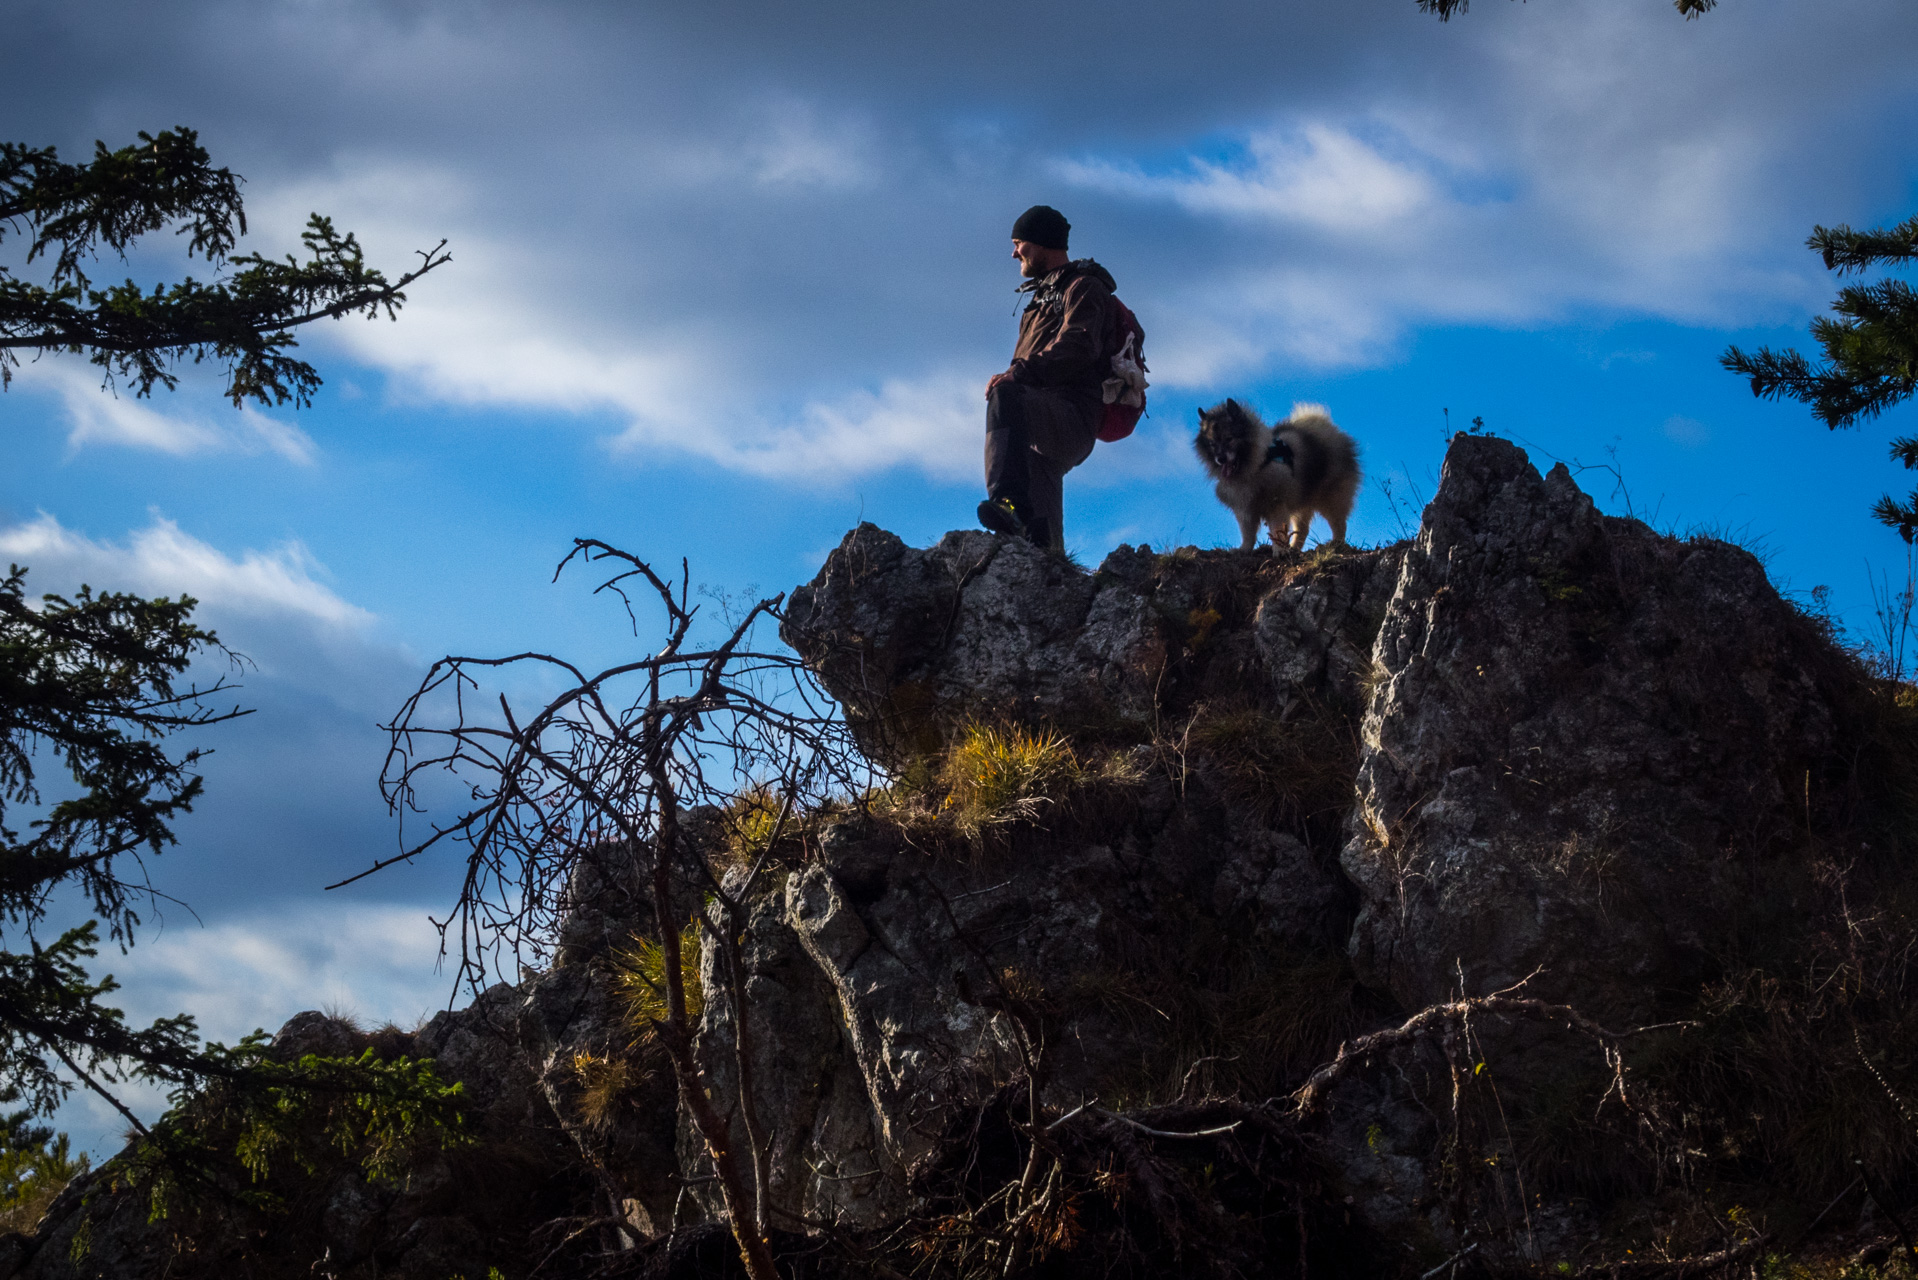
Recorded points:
1043,413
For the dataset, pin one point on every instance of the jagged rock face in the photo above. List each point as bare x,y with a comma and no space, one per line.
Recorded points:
911,642
1541,739
608,899
893,987
916,643
827,1161
1583,737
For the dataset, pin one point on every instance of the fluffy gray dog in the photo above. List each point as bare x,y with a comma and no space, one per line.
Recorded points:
1282,475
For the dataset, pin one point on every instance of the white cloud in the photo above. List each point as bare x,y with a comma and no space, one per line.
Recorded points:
1689,432
374,962
162,560
936,425
800,150
479,332
97,416
1329,240
1317,174
764,242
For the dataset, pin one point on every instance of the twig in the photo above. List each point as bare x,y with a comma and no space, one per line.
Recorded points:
1855,1182
1185,1082
1676,1268
1451,1261
842,1177
1166,1133
96,1086
1428,1019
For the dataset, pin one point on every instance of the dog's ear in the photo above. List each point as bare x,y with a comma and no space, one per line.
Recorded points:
1232,407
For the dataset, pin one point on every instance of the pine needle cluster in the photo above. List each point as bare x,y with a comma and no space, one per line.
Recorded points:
1870,348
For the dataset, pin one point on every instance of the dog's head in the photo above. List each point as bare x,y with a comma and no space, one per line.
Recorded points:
1228,440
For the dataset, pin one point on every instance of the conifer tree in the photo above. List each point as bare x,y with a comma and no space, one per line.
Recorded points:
90,687
35,1163
89,683
73,211
1870,348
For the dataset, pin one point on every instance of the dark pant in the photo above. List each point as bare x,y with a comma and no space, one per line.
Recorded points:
1033,437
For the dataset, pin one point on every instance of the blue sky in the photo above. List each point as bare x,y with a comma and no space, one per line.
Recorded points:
729,277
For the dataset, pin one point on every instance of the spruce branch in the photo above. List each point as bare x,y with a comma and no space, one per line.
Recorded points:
141,335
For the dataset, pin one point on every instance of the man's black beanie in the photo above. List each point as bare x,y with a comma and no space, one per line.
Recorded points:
1042,225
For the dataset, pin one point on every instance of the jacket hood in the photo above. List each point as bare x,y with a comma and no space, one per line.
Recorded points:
1077,267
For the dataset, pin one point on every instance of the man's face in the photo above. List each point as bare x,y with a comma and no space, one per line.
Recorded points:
1034,259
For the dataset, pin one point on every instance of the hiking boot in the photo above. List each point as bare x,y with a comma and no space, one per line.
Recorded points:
1003,515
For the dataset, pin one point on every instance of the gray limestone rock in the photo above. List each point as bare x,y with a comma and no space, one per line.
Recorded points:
1578,741
916,643
1316,632
1582,739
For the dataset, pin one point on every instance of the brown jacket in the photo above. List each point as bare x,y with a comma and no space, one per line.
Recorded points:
1063,333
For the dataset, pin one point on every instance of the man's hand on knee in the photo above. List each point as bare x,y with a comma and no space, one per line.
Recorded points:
993,383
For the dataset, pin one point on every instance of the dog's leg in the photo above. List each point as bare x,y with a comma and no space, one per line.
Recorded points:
1337,520
1248,529
1301,526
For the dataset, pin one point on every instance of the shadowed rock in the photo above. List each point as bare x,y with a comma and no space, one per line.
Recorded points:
1314,795
1584,740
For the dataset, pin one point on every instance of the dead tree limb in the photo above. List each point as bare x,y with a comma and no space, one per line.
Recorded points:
1434,1018
620,757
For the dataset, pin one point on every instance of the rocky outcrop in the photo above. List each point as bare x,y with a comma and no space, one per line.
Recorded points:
1313,795
1584,739
915,644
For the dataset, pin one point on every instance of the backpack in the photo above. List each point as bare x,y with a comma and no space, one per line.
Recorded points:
1125,389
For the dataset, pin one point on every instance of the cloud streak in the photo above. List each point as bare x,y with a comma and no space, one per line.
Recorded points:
99,416
777,245
1319,175
374,962
162,560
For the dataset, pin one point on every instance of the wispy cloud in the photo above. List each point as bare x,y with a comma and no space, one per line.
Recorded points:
746,234
798,149
162,560
98,416
1689,432
479,334
935,425
1317,174
374,962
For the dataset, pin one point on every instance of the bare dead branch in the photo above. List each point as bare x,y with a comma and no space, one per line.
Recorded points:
1434,1017
619,758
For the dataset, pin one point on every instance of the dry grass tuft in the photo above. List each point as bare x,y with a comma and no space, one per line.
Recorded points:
747,824
605,1084
998,776
639,981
